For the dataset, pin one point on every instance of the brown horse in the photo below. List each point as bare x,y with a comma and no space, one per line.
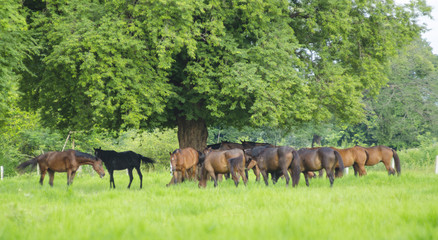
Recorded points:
223,162
320,158
182,160
276,161
354,156
67,161
248,145
230,145
383,154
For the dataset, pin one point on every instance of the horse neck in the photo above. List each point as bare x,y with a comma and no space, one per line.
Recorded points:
85,161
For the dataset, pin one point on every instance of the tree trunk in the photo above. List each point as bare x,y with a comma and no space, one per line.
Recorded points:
192,133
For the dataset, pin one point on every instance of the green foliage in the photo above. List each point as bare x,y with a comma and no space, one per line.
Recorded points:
144,64
379,206
15,46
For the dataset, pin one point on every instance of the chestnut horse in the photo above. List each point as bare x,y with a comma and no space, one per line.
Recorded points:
276,161
320,158
182,160
355,156
67,161
222,162
383,154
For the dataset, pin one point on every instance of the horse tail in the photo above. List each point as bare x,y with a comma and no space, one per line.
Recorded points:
340,161
396,162
296,168
33,162
146,159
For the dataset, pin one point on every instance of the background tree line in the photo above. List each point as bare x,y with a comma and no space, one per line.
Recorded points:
353,72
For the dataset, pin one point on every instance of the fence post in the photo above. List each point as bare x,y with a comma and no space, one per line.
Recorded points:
436,165
392,163
1,170
346,170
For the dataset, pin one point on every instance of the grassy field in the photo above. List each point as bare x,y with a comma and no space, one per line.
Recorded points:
373,207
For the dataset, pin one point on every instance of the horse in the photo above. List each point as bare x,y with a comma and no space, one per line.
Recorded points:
222,162
230,145
355,156
182,160
383,154
66,161
277,161
249,153
320,158
122,160
250,145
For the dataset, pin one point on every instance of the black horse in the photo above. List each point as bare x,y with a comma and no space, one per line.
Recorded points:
122,160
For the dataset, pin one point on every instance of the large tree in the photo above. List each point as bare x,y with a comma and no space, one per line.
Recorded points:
193,64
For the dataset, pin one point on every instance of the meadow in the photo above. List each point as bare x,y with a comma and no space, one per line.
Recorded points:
377,206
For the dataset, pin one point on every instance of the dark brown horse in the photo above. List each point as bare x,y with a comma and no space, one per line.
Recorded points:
249,145
182,160
320,158
223,162
276,161
383,154
67,161
230,145
354,156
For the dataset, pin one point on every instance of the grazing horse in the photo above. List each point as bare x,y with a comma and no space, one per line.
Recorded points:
222,162
249,145
230,145
383,154
66,161
277,161
122,160
354,156
182,160
249,153
320,158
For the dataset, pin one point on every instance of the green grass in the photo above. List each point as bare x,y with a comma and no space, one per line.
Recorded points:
377,206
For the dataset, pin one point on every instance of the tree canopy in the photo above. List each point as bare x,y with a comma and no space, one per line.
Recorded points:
193,64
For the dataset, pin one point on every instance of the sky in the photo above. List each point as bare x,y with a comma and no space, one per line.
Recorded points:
431,36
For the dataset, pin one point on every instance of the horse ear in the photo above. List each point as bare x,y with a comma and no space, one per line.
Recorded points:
170,153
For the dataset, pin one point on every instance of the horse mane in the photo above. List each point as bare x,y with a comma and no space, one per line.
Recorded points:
85,155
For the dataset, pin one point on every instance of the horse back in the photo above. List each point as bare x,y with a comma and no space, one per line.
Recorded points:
188,157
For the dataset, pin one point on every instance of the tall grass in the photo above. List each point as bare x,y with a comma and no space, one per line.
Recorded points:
376,206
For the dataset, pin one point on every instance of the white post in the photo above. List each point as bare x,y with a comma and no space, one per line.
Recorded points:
346,170
436,165
392,163
1,170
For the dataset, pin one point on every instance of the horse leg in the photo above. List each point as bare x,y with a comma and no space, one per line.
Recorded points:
52,176
306,177
361,169
130,177
320,173
69,173
387,162
111,173
73,174
215,177
140,175
265,176
356,169
183,174
286,176
43,173
243,174
193,178
330,175
257,173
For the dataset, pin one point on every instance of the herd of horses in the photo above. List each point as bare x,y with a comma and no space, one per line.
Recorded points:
225,159
236,159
